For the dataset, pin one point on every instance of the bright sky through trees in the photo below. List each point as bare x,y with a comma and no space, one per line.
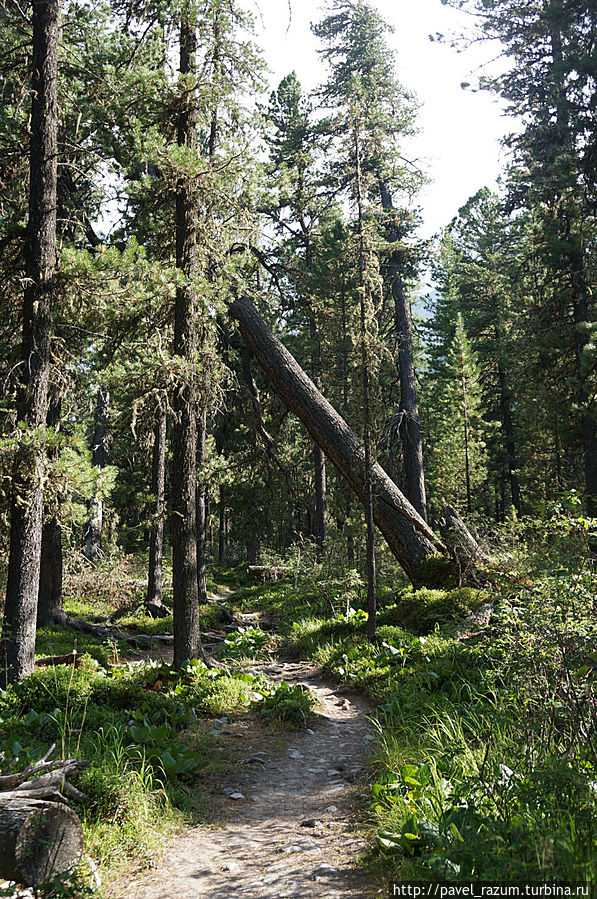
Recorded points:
458,144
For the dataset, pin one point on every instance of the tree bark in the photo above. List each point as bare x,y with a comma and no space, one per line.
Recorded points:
320,528
49,608
320,519
187,640
588,422
410,428
49,604
407,534
367,438
509,440
222,529
20,612
467,456
201,511
463,545
158,488
92,534
37,840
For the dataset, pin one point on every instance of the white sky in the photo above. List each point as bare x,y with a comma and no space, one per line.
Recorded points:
458,144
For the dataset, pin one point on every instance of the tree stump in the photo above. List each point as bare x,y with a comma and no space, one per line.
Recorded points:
38,839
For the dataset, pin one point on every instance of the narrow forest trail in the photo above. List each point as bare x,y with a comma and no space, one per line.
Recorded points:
293,832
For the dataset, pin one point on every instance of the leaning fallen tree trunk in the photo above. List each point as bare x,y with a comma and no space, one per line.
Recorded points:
409,537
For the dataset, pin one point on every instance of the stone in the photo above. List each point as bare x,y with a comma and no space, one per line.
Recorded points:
232,867
327,870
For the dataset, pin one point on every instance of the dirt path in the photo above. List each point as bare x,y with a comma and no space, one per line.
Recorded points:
290,831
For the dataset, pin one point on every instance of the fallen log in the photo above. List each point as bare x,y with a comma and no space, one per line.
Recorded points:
37,839
409,537
264,573
107,632
72,658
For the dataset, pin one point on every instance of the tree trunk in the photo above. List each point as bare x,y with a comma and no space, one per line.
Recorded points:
187,640
92,534
467,456
20,611
158,488
49,608
582,338
222,529
201,511
508,426
252,551
320,501
49,603
345,409
37,840
408,536
463,545
367,437
410,429
320,519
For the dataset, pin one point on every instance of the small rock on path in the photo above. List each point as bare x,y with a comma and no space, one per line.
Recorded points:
292,835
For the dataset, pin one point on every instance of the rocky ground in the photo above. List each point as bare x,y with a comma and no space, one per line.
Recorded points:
285,827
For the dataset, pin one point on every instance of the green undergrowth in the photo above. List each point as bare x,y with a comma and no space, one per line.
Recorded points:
289,703
485,764
146,731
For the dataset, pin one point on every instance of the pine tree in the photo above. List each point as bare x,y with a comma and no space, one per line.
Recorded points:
20,613
458,471
362,63
299,203
551,88
478,274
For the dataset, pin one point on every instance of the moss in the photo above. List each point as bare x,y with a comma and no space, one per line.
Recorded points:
439,571
422,610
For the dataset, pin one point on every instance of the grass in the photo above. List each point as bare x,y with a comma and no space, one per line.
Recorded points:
145,729
485,761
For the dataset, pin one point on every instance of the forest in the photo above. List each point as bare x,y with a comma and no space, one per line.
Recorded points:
298,509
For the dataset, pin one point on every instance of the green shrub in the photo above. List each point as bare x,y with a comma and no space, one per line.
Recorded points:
216,696
246,642
57,687
291,704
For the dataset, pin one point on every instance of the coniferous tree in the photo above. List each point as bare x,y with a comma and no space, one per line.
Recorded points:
551,87
184,425
299,204
478,272
20,612
458,472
